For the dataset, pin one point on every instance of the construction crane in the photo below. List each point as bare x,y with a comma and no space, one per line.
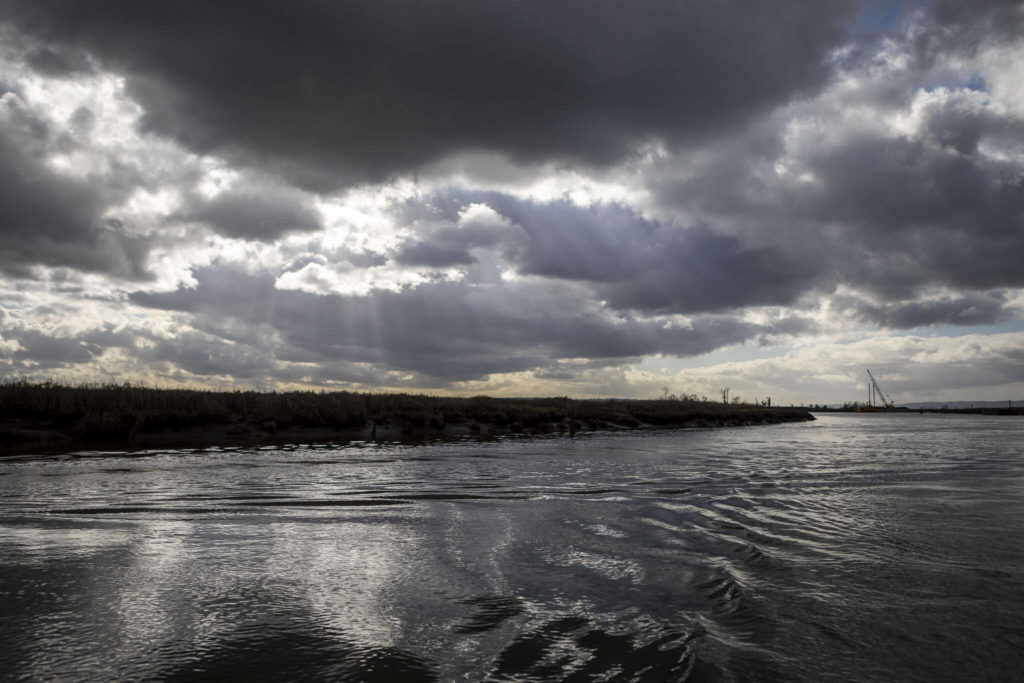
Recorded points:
875,393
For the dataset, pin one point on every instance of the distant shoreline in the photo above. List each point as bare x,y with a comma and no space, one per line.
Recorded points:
902,410
55,418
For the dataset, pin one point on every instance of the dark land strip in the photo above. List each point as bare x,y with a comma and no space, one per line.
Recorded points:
51,417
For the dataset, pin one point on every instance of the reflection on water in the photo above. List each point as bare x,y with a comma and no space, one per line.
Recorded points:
864,547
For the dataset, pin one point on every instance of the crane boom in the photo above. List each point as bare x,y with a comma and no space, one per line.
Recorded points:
886,401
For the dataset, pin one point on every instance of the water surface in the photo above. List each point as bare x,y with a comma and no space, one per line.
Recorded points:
858,547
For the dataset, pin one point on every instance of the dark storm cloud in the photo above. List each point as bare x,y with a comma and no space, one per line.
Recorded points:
362,259
51,219
886,184
42,350
633,262
58,62
600,243
921,216
906,217
330,93
49,351
651,266
419,253
983,308
894,214
871,178
204,355
445,331
699,271
443,239
956,26
255,212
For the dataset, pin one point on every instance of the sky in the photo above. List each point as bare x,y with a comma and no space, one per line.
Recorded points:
591,198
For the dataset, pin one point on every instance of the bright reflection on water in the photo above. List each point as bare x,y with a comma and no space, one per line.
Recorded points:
866,547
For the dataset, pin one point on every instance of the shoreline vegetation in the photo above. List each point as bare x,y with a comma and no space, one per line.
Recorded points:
55,417
864,408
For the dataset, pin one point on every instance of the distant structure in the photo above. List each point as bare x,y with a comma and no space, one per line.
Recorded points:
876,399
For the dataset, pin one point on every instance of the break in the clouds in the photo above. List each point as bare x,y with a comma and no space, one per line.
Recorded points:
588,198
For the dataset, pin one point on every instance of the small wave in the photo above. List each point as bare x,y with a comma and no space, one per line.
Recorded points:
490,611
135,509
722,590
605,530
615,568
445,496
741,617
359,502
574,648
588,492
291,652
247,496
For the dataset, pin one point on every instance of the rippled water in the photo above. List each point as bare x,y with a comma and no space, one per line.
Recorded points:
866,547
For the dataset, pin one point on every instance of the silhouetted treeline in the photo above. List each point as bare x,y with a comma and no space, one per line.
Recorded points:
126,411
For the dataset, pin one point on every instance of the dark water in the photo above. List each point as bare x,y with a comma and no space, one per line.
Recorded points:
854,548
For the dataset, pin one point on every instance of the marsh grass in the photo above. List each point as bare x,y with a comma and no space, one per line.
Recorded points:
127,410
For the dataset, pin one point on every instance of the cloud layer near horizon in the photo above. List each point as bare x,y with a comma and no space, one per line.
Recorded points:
514,198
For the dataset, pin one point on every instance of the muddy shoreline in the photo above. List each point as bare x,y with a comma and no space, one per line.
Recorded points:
50,418
19,438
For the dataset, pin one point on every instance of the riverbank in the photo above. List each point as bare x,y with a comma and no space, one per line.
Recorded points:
55,417
904,410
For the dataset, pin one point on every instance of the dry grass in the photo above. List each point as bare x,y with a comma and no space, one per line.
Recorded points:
124,410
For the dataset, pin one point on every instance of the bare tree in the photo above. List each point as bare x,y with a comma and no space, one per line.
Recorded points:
725,394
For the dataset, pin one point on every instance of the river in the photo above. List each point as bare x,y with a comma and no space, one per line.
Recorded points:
854,548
